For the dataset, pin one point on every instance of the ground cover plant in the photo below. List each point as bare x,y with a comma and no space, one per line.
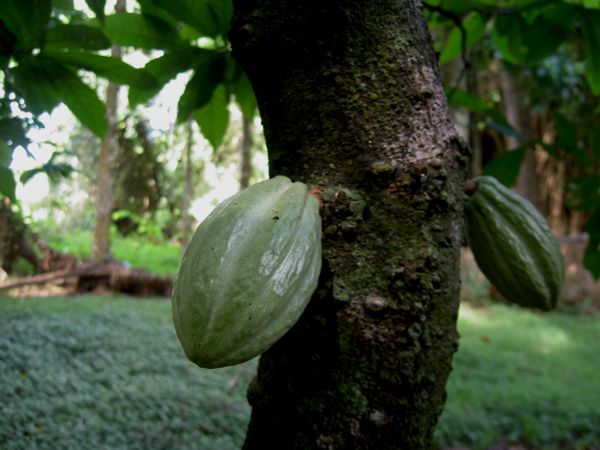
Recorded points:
107,372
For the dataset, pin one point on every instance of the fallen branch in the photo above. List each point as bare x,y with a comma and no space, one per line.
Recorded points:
108,275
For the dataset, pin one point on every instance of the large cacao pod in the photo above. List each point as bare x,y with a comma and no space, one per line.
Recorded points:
248,273
513,246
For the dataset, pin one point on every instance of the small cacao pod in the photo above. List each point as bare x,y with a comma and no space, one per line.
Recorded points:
513,245
248,273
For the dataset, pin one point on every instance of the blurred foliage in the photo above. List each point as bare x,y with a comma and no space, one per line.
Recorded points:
552,47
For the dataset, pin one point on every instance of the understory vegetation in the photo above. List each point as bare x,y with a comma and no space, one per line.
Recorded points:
107,372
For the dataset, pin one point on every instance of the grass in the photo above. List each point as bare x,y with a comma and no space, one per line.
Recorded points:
87,373
98,372
161,258
523,377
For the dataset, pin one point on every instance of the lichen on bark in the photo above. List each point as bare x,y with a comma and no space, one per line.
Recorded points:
352,104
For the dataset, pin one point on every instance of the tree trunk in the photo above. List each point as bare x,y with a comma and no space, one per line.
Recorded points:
107,152
245,153
186,217
352,104
517,114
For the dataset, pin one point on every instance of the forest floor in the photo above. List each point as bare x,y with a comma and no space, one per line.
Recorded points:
107,372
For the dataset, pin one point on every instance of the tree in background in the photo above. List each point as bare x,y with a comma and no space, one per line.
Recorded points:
107,154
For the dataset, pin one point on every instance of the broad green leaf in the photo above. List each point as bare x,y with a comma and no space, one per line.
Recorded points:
595,143
26,19
45,83
224,11
524,43
592,4
590,27
199,89
150,8
476,104
7,184
64,5
474,25
213,118
197,13
244,96
591,257
35,82
12,132
54,171
98,7
108,67
566,134
75,37
505,167
584,193
6,153
165,68
140,31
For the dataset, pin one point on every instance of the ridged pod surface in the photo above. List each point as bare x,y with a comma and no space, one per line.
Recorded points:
248,273
513,246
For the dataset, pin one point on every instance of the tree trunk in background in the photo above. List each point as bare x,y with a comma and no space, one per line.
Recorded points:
352,103
186,217
107,152
518,115
245,153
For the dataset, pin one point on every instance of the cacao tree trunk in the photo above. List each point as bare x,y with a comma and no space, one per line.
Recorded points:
352,104
107,152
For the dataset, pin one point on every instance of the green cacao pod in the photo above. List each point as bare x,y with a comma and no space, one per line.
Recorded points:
248,273
513,246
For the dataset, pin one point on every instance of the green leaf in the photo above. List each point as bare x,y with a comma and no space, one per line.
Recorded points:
566,134
590,27
97,6
213,118
244,96
199,89
199,14
7,184
505,167
224,12
584,193
44,84
591,257
34,82
75,37
27,19
474,25
524,43
6,153
64,5
165,68
108,67
476,104
12,131
595,143
140,31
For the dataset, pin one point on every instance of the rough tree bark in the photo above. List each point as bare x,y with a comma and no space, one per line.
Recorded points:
104,182
352,104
